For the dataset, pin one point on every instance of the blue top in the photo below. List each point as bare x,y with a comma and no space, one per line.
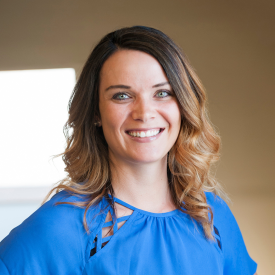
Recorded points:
53,241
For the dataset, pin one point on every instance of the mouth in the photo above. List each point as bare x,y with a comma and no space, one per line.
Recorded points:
145,133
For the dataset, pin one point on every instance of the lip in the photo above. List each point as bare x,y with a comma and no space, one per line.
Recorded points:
145,139
144,129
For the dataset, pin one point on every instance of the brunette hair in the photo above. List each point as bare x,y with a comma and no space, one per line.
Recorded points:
189,160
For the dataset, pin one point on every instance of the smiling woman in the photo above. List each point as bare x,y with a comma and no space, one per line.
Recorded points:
139,197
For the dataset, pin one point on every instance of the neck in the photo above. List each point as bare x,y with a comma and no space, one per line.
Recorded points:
145,186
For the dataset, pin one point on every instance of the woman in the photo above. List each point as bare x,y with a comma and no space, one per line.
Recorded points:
139,198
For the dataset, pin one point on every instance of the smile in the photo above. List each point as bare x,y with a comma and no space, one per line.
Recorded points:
144,134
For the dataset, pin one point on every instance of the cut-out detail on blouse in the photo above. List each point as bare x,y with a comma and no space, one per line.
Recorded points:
106,232
218,237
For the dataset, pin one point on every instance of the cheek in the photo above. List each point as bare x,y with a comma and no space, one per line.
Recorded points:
173,115
111,117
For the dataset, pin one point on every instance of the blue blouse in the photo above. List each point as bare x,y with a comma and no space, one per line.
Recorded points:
53,241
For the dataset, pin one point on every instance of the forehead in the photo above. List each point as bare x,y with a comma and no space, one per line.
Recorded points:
133,68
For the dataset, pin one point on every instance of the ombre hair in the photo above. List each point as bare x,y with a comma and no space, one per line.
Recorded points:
189,160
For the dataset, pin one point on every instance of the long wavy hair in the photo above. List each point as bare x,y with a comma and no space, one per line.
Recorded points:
190,158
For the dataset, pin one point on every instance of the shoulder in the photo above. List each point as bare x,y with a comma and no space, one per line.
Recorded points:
51,237
218,205
215,200
236,257
223,218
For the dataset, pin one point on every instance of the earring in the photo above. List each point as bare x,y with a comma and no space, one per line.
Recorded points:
97,124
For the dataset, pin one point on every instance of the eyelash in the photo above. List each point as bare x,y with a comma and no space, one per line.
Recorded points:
115,96
165,91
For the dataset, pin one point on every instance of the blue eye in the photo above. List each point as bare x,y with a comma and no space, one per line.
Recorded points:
163,94
120,96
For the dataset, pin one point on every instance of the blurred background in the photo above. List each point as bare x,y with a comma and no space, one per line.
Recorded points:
43,46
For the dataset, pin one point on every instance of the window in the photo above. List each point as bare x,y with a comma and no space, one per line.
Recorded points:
33,110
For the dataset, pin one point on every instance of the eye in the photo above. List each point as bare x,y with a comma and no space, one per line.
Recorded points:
120,96
163,93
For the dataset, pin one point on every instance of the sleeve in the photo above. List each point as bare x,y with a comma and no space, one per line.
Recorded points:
50,241
3,269
236,258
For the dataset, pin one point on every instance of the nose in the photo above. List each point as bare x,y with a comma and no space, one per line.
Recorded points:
143,110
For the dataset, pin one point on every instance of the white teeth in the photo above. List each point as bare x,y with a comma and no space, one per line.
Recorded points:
148,133
143,134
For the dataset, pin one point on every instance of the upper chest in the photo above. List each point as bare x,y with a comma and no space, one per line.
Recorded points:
139,244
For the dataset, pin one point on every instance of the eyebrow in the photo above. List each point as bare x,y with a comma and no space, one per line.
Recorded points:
160,84
118,87
128,87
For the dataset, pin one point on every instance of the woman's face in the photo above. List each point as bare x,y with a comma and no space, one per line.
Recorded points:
139,112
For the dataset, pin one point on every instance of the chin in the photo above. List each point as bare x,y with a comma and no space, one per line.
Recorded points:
143,159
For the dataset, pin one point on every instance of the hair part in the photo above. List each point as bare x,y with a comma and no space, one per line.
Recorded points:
189,160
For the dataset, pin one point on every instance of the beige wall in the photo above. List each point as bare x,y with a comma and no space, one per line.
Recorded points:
231,45
255,216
